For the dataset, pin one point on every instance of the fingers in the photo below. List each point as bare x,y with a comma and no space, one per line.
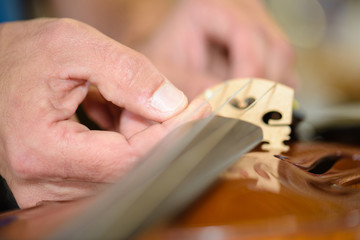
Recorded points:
248,53
256,45
281,61
103,113
96,156
140,142
66,168
131,124
49,65
123,76
280,64
277,56
139,87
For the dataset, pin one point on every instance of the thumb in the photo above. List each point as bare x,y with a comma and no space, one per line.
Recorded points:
123,76
146,92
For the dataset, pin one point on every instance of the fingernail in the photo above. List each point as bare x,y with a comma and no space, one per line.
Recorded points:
168,98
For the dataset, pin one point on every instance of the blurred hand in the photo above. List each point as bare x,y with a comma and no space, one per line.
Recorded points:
207,41
46,69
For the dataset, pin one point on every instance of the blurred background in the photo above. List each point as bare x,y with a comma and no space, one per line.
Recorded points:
325,34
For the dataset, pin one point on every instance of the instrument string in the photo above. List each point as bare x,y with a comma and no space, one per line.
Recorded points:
218,109
154,169
207,121
251,105
230,124
222,91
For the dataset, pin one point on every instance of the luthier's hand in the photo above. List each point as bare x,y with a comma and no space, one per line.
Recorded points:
46,69
206,41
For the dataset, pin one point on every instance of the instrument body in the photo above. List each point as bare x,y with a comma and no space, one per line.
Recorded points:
305,205
309,190
269,198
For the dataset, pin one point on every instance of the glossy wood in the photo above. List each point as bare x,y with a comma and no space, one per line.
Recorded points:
260,197
306,205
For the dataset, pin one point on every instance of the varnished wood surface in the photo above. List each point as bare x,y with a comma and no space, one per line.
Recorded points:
241,204
306,206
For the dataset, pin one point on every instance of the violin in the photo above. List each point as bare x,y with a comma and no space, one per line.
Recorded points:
312,194
276,191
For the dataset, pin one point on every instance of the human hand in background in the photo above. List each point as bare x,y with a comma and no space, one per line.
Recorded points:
207,41
46,69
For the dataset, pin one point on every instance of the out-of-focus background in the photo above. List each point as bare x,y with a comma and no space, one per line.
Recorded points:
326,35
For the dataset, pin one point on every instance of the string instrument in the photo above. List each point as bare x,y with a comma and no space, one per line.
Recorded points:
276,191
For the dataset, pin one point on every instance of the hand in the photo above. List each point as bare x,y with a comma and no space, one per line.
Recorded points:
46,69
207,41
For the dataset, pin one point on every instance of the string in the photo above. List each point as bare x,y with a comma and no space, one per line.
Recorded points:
230,124
258,99
222,90
207,100
232,96
222,105
205,122
139,188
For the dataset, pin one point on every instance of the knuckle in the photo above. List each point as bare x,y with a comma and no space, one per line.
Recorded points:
134,67
59,32
136,77
63,26
135,61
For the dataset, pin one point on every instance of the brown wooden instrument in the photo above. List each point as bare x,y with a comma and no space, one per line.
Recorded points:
309,192
260,201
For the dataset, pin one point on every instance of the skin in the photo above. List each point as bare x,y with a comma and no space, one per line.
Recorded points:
195,43
229,39
47,68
